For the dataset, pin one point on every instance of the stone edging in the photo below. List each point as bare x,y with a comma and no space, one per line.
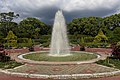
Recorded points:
21,59
72,76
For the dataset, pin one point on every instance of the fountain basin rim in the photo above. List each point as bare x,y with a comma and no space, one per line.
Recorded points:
23,60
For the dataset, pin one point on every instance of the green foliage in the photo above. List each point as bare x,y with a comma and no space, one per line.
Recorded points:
113,21
82,44
30,42
8,16
100,37
21,45
3,56
25,42
110,62
97,45
116,34
44,40
6,23
46,44
9,65
85,26
78,39
88,39
32,28
82,40
11,39
11,36
22,40
91,25
118,43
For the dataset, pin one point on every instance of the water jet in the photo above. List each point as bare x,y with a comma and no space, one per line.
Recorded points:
59,42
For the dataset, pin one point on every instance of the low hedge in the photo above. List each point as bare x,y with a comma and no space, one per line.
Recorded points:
9,64
110,62
97,45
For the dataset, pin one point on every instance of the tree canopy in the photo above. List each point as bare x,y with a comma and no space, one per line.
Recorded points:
33,28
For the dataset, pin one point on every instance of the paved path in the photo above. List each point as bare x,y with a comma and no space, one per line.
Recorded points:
8,77
63,69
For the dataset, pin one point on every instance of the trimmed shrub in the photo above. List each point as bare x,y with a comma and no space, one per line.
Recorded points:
22,40
46,44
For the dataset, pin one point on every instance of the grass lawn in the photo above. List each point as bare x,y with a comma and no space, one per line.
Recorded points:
110,62
76,56
9,64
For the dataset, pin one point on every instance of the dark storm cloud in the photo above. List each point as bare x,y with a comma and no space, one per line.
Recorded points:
87,13
45,9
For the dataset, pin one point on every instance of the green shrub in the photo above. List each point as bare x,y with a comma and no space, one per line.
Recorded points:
9,64
21,45
45,37
110,62
22,40
40,41
30,43
88,39
73,41
97,45
11,39
46,44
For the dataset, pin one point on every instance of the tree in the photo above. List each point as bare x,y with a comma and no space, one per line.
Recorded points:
91,25
85,26
112,21
6,22
30,42
32,28
82,44
116,51
100,37
116,34
8,17
11,39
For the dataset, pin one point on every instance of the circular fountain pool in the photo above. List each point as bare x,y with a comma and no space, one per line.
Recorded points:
44,56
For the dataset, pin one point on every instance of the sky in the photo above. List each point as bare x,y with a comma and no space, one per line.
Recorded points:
45,9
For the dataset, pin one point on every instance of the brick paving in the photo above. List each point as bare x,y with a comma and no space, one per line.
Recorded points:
57,69
63,69
8,77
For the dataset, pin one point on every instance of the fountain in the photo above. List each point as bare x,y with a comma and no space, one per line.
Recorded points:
59,41
60,60
59,49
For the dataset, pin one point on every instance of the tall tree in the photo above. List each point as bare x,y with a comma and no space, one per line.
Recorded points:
32,28
85,26
113,21
6,22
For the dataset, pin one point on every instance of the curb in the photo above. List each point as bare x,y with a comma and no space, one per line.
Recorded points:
72,76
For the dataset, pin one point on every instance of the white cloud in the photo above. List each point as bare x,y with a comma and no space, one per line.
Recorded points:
45,9
73,5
